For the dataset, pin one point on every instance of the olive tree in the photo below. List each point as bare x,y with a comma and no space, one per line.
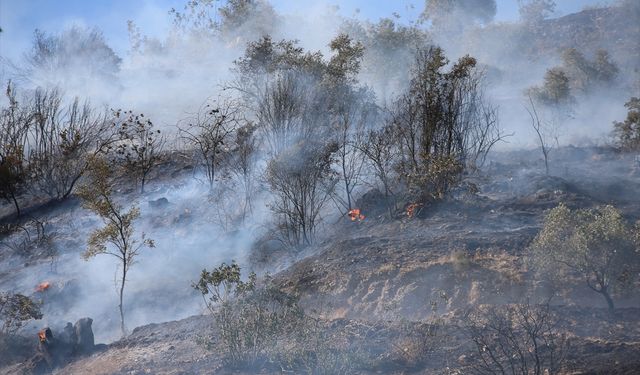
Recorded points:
535,11
117,237
597,245
627,132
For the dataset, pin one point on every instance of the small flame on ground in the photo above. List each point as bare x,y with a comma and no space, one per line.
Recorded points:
355,215
412,209
43,286
42,335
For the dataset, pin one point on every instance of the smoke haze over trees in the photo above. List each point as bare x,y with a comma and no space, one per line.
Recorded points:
448,174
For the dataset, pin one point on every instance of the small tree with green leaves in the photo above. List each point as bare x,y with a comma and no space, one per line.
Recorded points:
627,132
116,238
597,245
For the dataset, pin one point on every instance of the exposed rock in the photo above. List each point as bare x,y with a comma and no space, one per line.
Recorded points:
57,350
159,203
84,334
373,203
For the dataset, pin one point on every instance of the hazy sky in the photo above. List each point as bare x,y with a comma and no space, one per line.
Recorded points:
19,18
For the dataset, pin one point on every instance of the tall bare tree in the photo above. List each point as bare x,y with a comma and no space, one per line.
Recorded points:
302,180
515,339
209,132
541,131
60,141
139,145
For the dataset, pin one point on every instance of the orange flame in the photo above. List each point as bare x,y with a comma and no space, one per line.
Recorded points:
42,335
43,286
355,214
412,209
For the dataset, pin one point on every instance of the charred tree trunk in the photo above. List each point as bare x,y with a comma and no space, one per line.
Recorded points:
607,297
15,203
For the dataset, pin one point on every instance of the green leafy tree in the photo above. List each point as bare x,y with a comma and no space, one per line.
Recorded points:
117,237
627,132
388,53
77,52
460,12
556,90
597,245
586,75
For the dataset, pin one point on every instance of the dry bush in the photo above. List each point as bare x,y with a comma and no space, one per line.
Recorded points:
262,327
15,311
515,339
461,260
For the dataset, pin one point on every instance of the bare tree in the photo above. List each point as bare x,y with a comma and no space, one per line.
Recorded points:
14,126
139,145
350,117
116,238
483,135
243,162
515,339
541,132
209,132
379,149
60,142
281,111
302,181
